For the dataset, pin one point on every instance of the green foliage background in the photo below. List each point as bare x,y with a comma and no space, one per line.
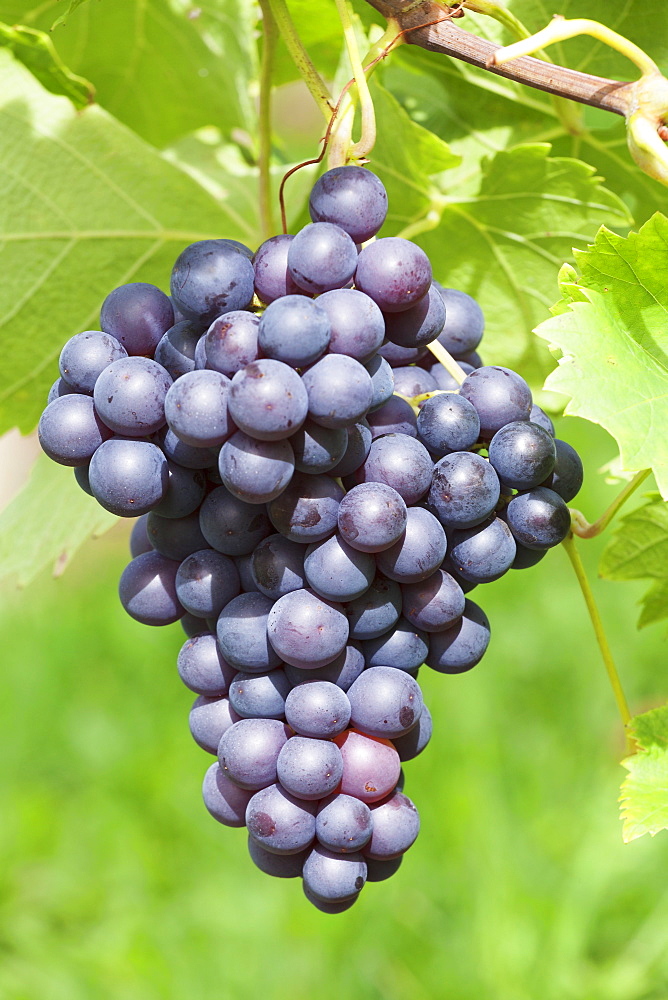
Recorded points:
117,882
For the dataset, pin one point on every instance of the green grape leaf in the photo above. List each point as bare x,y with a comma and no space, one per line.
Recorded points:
84,206
638,550
644,798
163,67
35,50
46,522
613,339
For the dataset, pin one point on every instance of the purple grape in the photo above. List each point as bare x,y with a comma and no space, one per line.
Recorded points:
526,558
342,671
277,865
82,478
382,381
394,272
322,256
464,322
419,325
376,611
396,824
371,766
343,824
372,517
539,519
209,720
394,417
196,409
339,391
378,871
279,822
242,634
183,454
306,630
356,322
295,330
255,471
461,647
177,349
318,709
272,280
329,906
139,540
175,537
85,356
128,477
268,400
137,315
318,449
202,668
540,417
334,877
359,439
249,749
244,566
385,702
130,396
499,395
448,423
443,378
70,431
231,526
523,454
416,739
568,473
337,571
307,510
277,567
403,647
184,493
230,342
352,198
225,801
400,462
484,553
210,278
434,604
147,590
206,582
259,696
58,389
418,552
465,490
399,357
413,381
309,769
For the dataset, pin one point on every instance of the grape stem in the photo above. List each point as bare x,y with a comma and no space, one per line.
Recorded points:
601,638
447,361
368,133
301,59
581,527
269,40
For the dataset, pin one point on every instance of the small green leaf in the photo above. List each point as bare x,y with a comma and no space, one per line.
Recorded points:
35,50
614,340
644,798
639,550
46,522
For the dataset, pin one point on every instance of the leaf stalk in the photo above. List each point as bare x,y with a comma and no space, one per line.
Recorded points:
581,527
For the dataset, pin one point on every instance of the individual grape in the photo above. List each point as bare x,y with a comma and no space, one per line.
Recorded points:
399,357
184,493
359,439
418,325
413,381
177,347
201,362
58,389
433,604
183,454
130,396
379,871
443,378
307,510
139,540
356,322
244,569
82,478
329,906
231,526
499,395
334,877
259,696
385,702
209,720
137,315
403,647
270,263
238,245
128,477
400,462
540,417
418,552
70,431
339,391
305,630
206,582
85,356
318,449
255,471
211,277
309,768
242,634
394,417
175,537
396,824
322,256
464,322
394,272
225,801
196,409
318,709
376,611
249,749
295,330
279,822
523,454
278,865
231,342
568,473
415,740
337,571
351,197
484,553
343,824
342,671
471,360
371,766
147,590
267,400
372,517
448,423
459,648
464,491
277,566
202,668
526,558
539,519
382,381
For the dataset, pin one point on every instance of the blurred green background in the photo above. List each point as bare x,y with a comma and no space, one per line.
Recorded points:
117,883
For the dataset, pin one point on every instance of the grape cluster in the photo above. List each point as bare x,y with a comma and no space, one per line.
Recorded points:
315,498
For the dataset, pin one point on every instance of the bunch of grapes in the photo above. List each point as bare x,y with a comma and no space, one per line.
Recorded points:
315,498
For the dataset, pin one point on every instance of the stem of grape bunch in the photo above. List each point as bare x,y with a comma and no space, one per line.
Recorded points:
269,40
581,526
601,638
309,74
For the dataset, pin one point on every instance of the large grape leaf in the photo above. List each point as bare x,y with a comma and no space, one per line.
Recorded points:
639,551
46,522
644,798
163,67
84,206
611,330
